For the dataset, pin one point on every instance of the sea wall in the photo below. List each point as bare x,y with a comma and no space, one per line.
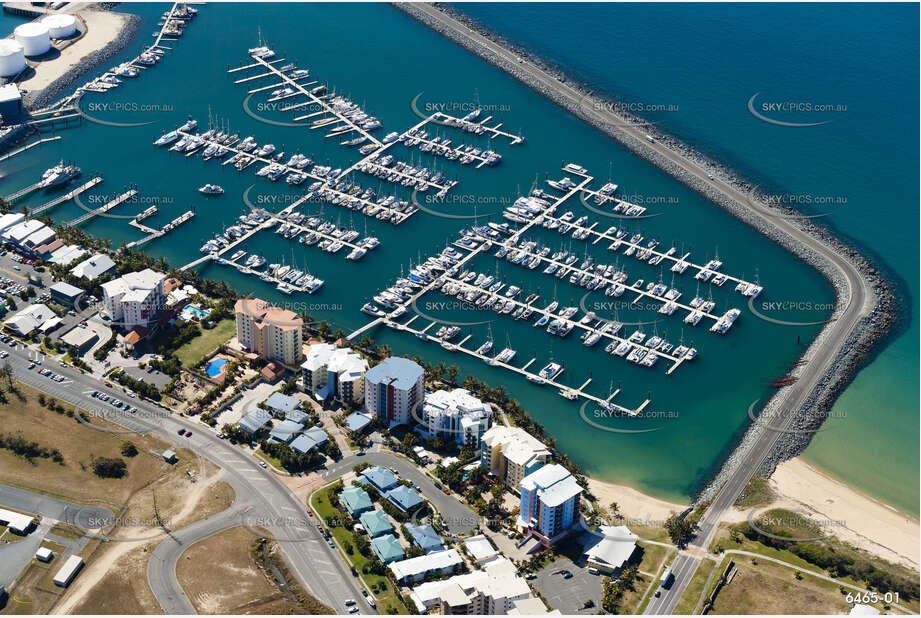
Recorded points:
860,341
56,88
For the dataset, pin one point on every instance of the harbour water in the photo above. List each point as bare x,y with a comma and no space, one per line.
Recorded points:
386,61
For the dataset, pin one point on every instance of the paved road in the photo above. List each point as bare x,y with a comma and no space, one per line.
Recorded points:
458,517
275,508
858,300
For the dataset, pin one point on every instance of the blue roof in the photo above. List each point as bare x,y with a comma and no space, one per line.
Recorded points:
376,523
310,439
403,497
285,431
357,421
381,478
402,373
298,416
282,403
425,537
387,548
356,500
255,420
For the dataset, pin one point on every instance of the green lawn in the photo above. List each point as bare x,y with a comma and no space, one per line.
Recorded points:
387,603
688,601
195,350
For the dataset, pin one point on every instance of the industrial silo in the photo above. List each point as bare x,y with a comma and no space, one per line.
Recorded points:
12,58
60,26
34,38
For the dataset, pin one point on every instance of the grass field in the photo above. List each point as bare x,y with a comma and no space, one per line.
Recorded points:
79,444
770,588
194,351
387,601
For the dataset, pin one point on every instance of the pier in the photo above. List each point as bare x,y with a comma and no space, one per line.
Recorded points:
66,197
28,146
152,233
121,199
12,197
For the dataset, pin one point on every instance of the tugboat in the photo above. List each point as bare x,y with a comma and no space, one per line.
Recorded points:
210,189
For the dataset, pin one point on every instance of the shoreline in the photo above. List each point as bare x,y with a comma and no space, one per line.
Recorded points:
874,304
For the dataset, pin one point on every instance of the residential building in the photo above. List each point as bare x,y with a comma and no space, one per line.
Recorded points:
134,299
356,421
394,390
381,478
285,431
387,548
609,548
281,405
549,503
425,538
94,267
376,523
311,439
255,420
272,332
356,500
403,498
480,548
332,372
437,563
456,415
497,589
511,453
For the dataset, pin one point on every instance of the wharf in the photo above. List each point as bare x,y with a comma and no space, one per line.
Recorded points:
152,233
494,132
28,146
124,197
66,197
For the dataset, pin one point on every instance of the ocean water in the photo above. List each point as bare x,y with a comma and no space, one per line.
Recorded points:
392,65
704,62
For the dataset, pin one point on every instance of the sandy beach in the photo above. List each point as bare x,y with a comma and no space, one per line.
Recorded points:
635,506
859,519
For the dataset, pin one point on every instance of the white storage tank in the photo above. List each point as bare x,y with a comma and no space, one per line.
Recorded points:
34,38
60,26
12,58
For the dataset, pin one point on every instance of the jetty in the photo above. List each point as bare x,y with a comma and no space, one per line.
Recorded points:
66,197
152,233
121,199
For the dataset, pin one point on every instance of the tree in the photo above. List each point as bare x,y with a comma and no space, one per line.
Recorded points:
615,510
109,467
679,530
6,373
129,449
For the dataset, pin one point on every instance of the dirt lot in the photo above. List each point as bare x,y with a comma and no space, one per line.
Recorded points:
770,588
79,444
221,575
115,580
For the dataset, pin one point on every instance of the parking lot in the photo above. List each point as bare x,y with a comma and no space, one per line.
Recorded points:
569,594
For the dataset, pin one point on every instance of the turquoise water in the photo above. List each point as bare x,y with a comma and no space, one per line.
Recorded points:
213,368
705,61
386,62
196,311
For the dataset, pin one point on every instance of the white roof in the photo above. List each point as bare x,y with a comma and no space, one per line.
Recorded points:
500,582
94,266
30,318
39,237
44,553
20,232
429,562
614,548
9,92
70,567
337,360
17,521
142,281
10,219
553,484
530,607
518,446
863,610
480,547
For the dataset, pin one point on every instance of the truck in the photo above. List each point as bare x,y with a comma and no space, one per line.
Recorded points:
666,580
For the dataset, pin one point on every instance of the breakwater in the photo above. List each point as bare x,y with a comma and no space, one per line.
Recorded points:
754,207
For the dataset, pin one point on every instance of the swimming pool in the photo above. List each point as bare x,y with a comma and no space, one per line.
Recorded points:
196,312
213,368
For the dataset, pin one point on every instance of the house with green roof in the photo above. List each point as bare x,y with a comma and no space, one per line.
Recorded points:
356,500
376,523
387,548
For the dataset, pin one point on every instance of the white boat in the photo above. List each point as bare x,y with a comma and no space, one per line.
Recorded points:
210,189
